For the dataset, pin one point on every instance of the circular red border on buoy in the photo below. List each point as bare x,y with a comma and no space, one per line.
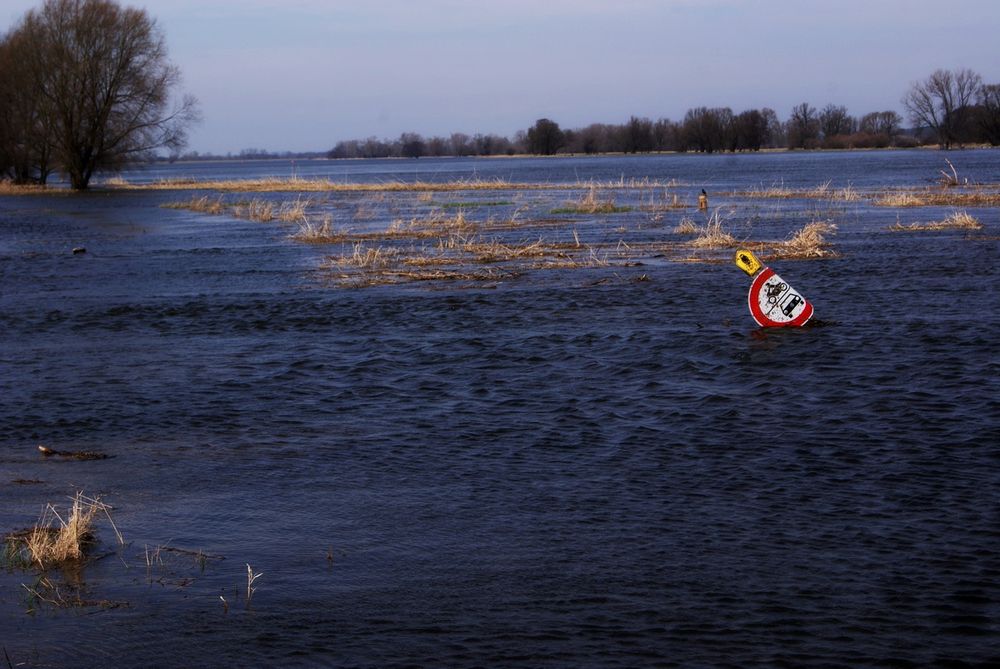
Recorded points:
758,315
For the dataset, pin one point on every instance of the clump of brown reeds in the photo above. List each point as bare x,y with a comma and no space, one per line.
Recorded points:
590,203
257,209
322,233
959,220
366,257
436,224
713,236
974,197
809,242
823,191
56,541
293,212
686,227
204,205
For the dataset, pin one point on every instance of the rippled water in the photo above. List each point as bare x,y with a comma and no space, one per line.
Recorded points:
594,467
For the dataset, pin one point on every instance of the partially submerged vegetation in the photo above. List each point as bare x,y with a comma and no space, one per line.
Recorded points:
591,203
494,230
809,242
936,197
59,539
959,220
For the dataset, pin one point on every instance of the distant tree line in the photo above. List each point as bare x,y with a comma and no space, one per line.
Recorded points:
85,86
948,108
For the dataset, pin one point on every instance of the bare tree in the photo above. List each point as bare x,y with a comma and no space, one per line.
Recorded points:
989,113
103,79
803,127
941,103
707,129
25,137
411,145
638,135
885,123
834,120
545,137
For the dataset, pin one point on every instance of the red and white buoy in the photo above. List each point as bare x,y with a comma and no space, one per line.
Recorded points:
772,301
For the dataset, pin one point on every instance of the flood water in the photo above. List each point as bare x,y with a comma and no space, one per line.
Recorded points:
595,467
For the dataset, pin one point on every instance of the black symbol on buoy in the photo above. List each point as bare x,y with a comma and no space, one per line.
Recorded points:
792,303
775,290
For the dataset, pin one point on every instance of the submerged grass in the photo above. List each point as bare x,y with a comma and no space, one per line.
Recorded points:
56,541
976,197
205,204
809,242
590,203
713,235
821,192
959,220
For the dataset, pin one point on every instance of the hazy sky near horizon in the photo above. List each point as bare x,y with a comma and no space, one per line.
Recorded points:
302,74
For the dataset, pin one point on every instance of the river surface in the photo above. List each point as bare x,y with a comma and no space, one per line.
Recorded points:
596,467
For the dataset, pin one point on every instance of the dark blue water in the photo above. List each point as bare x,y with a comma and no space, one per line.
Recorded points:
608,467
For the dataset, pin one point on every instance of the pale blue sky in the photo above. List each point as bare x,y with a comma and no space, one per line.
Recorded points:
303,74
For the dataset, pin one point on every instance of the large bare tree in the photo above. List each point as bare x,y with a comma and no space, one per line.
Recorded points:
803,127
102,77
989,113
942,103
25,143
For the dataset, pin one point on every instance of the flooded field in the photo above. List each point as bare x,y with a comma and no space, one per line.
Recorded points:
507,412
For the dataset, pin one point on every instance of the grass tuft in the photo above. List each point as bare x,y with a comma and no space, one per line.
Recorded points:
959,220
591,204
56,541
713,236
204,205
809,242
686,227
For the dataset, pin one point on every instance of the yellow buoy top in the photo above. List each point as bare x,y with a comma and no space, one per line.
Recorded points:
747,261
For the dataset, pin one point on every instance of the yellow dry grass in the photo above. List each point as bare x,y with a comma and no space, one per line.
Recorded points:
8,188
257,209
959,220
319,185
686,227
713,236
809,242
293,212
205,204
980,197
56,541
821,192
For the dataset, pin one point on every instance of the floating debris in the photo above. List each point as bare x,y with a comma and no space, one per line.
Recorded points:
72,455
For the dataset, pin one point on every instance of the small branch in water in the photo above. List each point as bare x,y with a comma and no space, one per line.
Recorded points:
73,455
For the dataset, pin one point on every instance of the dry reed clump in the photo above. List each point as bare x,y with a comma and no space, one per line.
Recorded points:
809,242
686,227
437,223
977,197
959,220
204,205
713,236
48,544
591,204
820,192
256,209
323,233
293,212
365,258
